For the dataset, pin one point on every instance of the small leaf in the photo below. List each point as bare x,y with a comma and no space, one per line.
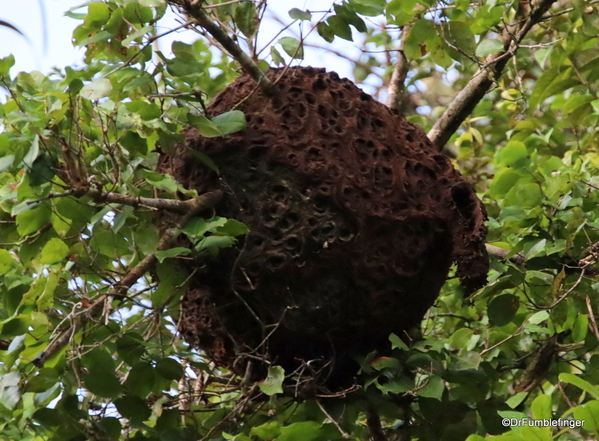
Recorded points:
169,368
172,252
32,153
541,407
206,127
97,89
276,57
516,400
5,64
273,384
293,47
580,383
229,122
133,408
233,227
502,309
246,18
537,249
397,343
54,251
7,261
304,431
488,47
298,14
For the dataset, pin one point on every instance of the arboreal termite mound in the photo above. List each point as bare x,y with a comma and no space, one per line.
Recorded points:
355,220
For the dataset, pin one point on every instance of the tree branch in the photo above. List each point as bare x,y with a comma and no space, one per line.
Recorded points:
502,253
193,8
397,85
465,102
196,206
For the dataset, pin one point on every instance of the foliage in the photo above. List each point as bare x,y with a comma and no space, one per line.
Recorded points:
524,346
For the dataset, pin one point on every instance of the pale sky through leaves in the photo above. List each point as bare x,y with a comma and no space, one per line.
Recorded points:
30,55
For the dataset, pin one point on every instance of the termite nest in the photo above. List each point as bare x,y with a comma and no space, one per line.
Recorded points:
355,218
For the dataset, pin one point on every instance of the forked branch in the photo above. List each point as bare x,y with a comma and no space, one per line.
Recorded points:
194,9
465,102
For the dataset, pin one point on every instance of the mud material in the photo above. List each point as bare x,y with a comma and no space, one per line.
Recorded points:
355,220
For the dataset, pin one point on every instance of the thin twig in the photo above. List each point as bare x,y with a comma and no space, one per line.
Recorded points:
343,433
502,253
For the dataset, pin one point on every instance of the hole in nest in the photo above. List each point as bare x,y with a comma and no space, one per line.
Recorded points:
366,194
310,98
339,129
409,137
345,234
312,221
378,124
277,103
313,153
319,84
275,261
322,111
301,110
321,203
293,243
256,241
327,229
365,97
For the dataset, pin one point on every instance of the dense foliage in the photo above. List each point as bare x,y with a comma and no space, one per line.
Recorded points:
83,358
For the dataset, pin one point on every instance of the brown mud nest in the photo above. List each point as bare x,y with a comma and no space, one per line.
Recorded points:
355,220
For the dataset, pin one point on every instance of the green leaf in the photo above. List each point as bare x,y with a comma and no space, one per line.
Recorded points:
5,64
6,162
502,309
580,383
293,47
32,153
541,407
488,47
169,368
267,431
97,89
433,389
580,328
172,252
298,14
304,431
229,122
45,379
133,408
103,383
514,154
7,261
215,242
131,347
525,196
338,26
537,249
232,227
415,43
140,379
273,384
397,343
206,127
516,400
326,32
276,56
246,18
589,413
54,251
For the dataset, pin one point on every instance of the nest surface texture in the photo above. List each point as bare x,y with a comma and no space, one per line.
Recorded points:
355,219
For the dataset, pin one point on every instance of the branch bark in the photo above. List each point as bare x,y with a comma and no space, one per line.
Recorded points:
99,197
397,85
120,289
193,8
465,102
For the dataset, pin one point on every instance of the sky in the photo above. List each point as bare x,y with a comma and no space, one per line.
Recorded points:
48,41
